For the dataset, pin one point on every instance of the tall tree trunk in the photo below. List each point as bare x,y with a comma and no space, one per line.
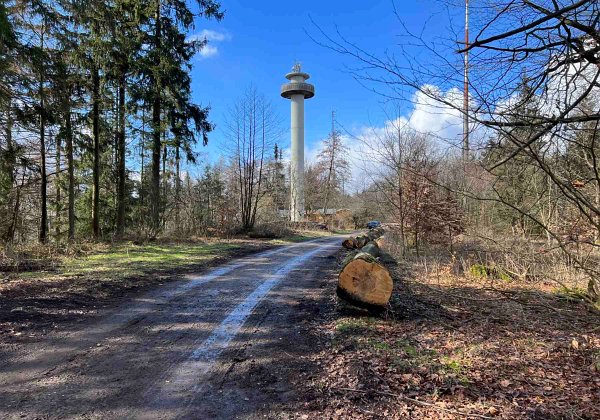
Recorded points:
10,169
44,181
142,146
96,163
177,185
57,204
71,172
15,215
156,128
10,147
121,199
164,179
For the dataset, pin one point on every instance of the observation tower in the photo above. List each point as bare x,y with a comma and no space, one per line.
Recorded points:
296,91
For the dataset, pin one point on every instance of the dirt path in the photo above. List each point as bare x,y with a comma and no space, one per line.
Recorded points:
209,346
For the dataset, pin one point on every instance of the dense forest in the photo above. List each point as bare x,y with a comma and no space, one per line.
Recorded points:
98,121
88,88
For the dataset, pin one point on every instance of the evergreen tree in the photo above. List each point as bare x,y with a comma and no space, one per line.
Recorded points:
168,59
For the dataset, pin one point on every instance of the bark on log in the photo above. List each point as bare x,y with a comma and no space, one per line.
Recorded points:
364,281
380,241
357,242
361,241
372,248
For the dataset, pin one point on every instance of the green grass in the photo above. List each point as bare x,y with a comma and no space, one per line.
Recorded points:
354,325
131,260
484,272
379,345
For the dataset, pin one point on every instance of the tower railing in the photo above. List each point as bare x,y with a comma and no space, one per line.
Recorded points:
295,86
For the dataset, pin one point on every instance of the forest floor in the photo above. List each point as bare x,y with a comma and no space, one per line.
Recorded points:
41,288
453,346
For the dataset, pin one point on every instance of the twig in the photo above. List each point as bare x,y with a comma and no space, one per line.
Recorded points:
593,330
414,401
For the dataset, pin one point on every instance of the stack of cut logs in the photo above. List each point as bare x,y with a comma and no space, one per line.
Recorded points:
364,281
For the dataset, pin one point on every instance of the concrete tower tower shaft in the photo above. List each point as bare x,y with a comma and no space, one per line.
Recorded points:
297,90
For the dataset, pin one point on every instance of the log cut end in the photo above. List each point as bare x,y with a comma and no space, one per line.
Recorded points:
349,243
365,282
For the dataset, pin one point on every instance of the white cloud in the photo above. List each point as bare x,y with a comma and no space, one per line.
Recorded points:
208,51
213,38
434,117
210,35
440,121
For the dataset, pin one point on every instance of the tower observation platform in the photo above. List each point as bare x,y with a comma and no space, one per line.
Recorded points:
297,86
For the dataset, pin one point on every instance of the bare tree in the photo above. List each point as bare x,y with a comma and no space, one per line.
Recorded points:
333,162
553,47
403,167
252,130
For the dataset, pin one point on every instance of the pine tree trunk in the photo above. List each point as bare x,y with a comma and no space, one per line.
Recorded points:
142,147
96,146
156,131
177,186
44,181
10,147
10,169
71,172
164,172
15,215
121,199
57,191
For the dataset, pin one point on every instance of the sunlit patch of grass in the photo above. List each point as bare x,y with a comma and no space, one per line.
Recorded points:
483,272
354,325
130,260
127,260
409,356
104,261
572,294
379,345
452,365
404,345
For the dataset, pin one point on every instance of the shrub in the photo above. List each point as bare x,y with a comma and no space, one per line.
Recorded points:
270,231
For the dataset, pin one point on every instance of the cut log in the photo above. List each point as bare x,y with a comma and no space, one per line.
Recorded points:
364,282
361,241
349,243
357,242
371,248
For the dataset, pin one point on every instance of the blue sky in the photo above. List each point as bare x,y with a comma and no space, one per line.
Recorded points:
258,42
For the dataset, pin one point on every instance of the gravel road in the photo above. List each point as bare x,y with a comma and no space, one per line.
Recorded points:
226,343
